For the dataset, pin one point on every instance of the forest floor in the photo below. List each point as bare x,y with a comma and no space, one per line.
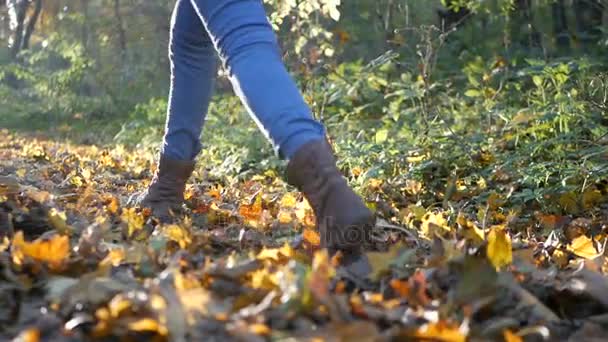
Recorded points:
244,263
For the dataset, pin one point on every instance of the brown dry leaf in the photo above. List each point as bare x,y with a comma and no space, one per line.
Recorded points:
569,202
591,198
380,262
357,331
53,251
499,250
440,332
583,247
38,195
9,185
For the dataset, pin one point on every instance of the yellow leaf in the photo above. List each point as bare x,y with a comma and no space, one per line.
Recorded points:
470,230
53,251
134,220
416,159
21,173
276,254
178,234
583,247
284,217
511,337
289,200
413,187
560,258
441,332
58,221
499,247
86,174
4,244
434,224
115,257
148,325
260,329
263,279
495,201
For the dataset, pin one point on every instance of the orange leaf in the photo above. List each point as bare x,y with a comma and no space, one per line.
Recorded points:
511,337
321,274
312,237
254,211
440,331
53,251
414,289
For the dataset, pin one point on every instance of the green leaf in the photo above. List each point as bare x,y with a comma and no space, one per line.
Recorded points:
472,93
538,81
381,136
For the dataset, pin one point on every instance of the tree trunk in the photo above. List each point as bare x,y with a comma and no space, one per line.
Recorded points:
588,14
85,24
122,36
560,25
17,10
31,25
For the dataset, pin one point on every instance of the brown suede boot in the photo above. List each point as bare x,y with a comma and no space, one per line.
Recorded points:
343,220
166,190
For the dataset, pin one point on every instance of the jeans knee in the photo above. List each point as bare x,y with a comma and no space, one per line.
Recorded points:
190,45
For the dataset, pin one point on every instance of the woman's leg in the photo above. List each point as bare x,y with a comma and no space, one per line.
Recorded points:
248,47
193,70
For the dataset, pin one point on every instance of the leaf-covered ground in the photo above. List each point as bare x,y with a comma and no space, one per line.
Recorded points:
242,263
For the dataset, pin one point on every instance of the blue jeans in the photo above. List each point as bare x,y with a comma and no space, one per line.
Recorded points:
239,32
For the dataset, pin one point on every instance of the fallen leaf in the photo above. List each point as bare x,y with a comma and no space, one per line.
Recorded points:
440,332
312,237
134,220
58,220
583,247
511,337
381,262
499,250
434,224
53,251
